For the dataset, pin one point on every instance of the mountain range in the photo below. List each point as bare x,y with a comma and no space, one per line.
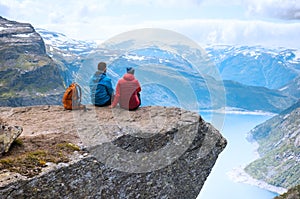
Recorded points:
256,65
271,78
80,58
76,60
36,65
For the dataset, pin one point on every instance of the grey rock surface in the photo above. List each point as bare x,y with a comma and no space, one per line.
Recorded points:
19,38
154,152
8,134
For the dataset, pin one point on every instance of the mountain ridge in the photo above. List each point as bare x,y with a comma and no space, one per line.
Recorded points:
81,68
256,65
28,75
279,149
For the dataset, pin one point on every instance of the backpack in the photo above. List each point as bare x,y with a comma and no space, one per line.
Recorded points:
72,98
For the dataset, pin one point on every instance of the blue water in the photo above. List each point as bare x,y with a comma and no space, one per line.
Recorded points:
238,152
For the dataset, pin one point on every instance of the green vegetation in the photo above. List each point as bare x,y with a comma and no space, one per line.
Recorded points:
31,163
68,146
279,162
18,142
8,94
275,169
27,76
25,62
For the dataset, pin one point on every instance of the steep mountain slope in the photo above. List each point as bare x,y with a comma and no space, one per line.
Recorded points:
69,53
279,149
292,193
256,98
292,88
256,65
28,75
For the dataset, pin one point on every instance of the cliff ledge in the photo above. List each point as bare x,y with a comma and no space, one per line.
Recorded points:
154,152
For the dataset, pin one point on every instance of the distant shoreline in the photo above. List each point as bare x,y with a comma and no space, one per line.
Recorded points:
237,111
240,176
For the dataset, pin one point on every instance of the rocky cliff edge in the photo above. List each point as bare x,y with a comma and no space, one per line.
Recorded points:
154,152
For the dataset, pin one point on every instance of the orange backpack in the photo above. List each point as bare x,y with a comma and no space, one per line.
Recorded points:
72,98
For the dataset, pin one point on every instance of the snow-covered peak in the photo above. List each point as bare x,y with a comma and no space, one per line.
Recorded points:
256,65
252,51
62,42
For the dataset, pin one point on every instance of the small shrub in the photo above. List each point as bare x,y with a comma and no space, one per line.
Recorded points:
30,163
68,146
18,142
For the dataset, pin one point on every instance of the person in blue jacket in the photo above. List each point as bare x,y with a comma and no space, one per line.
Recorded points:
101,87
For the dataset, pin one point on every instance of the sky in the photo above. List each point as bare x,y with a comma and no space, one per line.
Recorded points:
274,23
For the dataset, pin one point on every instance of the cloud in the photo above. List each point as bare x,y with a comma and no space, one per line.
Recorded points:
235,32
55,11
164,3
91,20
282,9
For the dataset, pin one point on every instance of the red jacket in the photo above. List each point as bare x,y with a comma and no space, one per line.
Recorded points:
126,92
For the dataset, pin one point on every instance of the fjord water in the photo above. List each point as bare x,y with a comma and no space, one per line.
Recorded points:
237,152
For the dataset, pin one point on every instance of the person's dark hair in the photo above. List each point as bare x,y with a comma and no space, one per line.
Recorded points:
130,70
101,66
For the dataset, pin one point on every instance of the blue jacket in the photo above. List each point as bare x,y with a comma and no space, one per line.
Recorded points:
101,88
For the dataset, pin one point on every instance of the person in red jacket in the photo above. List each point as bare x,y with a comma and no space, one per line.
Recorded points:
128,92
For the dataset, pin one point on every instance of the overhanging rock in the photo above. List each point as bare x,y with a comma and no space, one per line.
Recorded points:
154,152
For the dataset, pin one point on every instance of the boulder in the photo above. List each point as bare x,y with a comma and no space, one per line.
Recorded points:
8,134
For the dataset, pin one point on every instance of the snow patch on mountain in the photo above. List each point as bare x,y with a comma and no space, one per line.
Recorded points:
24,35
62,42
134,57
256,65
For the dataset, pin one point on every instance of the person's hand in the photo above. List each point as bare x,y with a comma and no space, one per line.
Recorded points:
110,106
